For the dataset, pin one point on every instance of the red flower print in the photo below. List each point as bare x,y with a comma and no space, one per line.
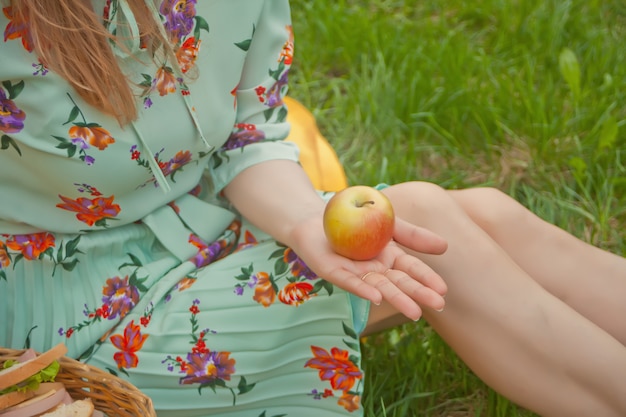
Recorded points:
286,54
174,207
187,54
233,93
200,346
260,91
120,296
32,245
165,81
91,211
4,257
249,240
92,134
295,293
129,343
264,293
17,29
185,283
335,367
102,312
349,401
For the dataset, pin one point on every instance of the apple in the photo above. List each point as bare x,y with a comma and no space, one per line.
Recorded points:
358,222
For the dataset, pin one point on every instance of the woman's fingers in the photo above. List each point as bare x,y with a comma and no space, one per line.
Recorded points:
350,282
418,239
394,295
409,285
421,273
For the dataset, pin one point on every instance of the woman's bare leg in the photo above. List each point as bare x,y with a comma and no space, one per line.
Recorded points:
518,337
590,280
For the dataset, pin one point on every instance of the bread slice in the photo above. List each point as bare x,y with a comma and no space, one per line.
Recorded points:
78,408
20,371
48,396
15,397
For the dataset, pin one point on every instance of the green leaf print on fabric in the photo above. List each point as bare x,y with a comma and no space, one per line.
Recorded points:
6,142
264,414
245,44
38,246
169,168
83,136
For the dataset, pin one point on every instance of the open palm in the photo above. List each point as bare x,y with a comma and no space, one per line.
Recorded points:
394,275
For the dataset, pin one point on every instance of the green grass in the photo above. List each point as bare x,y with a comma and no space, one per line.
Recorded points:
528,96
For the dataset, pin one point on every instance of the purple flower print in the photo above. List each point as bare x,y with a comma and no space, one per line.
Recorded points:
120,296
179,160
207,367
274,97
179,17
298,267
11,117
242,138
207,253
251,283
81,143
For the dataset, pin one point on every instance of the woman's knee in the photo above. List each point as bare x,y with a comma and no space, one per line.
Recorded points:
418,196
426,204
492,209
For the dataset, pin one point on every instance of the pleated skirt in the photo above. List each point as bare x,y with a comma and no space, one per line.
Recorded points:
240,328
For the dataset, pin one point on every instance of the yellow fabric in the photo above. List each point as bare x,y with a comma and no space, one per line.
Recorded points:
317,156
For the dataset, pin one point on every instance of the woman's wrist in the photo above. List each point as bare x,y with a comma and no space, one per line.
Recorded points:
277,197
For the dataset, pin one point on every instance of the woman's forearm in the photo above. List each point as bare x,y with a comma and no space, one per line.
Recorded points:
275,196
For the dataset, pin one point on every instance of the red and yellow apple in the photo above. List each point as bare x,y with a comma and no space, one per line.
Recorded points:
358,222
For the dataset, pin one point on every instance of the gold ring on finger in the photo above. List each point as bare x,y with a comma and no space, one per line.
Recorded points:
366,274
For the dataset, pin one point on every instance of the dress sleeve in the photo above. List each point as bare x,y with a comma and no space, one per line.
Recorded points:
260,126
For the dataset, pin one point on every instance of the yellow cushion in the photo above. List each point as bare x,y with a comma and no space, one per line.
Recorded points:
317,156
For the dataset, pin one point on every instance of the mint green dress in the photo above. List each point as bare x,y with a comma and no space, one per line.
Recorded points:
116,241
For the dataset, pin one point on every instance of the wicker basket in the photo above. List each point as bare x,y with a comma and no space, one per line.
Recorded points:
110,394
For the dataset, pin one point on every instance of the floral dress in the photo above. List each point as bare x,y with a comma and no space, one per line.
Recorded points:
115,240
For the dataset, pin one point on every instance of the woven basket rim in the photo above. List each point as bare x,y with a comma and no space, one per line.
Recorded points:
113,396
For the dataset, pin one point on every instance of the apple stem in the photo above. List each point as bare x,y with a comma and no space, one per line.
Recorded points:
364,203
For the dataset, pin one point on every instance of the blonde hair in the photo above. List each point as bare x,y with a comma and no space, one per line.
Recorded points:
71,40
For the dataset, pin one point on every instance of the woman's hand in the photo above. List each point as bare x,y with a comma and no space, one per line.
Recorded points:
394,275
278,197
